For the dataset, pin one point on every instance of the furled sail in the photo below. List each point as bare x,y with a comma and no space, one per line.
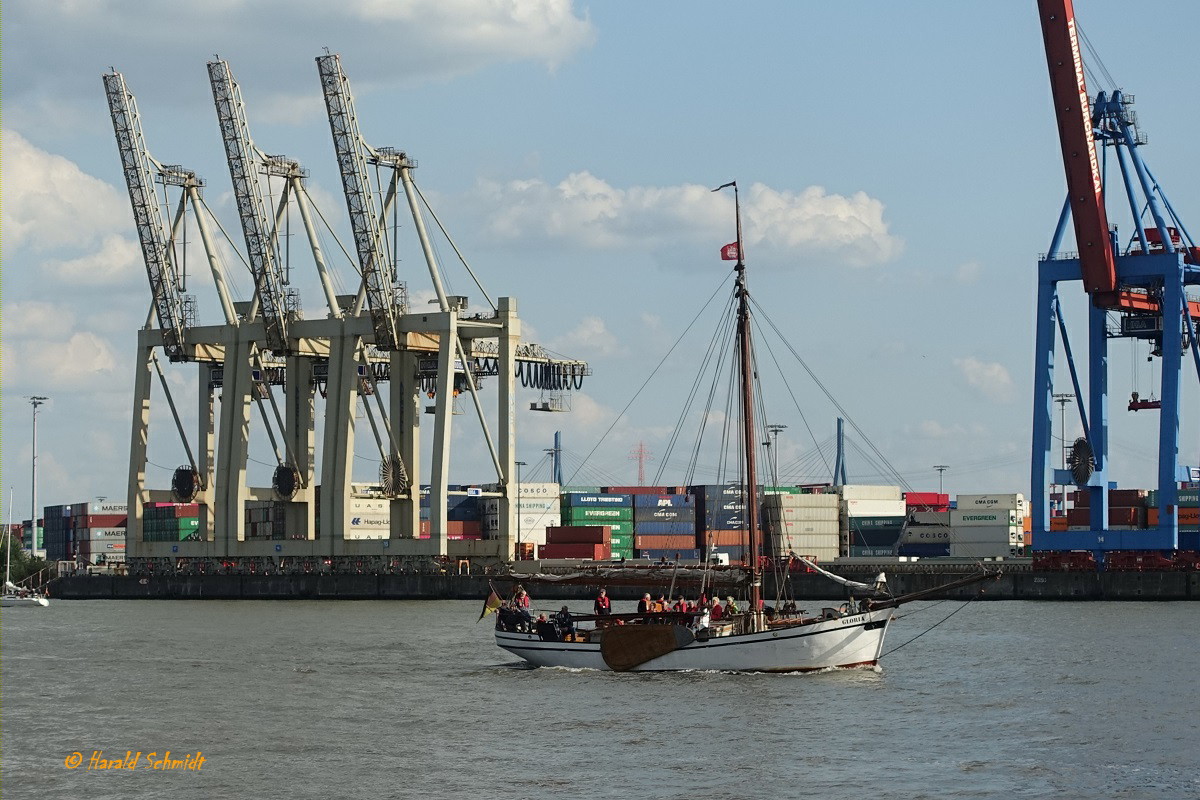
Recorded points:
878,587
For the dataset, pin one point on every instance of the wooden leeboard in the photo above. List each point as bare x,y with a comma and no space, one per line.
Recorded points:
626,646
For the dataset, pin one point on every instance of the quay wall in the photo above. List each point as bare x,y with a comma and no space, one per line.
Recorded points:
1026,585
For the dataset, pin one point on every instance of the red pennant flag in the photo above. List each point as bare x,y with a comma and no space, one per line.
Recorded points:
730,252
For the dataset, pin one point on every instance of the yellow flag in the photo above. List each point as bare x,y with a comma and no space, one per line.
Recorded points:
490,605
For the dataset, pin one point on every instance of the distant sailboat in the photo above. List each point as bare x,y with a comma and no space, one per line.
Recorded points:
15,596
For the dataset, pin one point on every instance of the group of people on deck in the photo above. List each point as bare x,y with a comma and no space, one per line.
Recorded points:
701,605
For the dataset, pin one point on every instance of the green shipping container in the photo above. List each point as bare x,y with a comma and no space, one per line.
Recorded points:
595,515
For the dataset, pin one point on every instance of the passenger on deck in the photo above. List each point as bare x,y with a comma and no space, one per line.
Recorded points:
520,603
644,604
602,606
564,624
661,603
717,611
545,629
680,605
731,606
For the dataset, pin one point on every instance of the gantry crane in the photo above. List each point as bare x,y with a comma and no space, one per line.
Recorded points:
1145,284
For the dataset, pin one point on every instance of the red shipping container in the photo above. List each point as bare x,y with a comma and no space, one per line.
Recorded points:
926,499
1118,515
463,529
1058,523
102,521
1189,517
579,534
1127,497
721,538
595,552
664,541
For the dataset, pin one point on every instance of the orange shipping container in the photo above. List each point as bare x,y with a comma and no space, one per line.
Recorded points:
721,538
1188,517
1027,524
1058,523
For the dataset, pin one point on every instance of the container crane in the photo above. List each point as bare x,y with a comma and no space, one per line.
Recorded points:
1146,284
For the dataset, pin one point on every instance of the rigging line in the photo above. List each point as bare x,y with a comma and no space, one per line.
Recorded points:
691,397
726,332
654,372
461,257
353,261
792,394
1095,57
826,391
931,627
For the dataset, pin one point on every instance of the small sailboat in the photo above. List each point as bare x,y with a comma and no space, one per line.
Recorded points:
15,596
758,639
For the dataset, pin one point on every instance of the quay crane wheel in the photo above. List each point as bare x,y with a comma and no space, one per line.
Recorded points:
185,484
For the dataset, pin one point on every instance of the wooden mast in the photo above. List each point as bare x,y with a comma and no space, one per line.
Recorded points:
748,435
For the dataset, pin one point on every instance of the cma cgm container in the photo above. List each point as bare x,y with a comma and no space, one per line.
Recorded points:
642,514
983,502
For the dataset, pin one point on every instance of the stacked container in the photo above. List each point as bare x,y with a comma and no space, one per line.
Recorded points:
597,508
537,508
873,518
805,524
161,522
577,541
56,532
980,526
663,524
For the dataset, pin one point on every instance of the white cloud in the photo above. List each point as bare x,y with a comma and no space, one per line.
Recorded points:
79,361
392,42
990,379
590,336
585,210
28,319
932,429
117,260
49,202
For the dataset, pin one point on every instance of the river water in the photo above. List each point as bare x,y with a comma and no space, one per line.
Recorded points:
412,699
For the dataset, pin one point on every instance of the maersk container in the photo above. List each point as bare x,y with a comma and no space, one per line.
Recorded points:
870,492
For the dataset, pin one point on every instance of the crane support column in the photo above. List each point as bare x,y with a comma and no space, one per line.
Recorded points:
299,512
510,337
341,400
405,397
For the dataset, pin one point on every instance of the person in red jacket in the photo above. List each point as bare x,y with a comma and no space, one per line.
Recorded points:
602,606
717,611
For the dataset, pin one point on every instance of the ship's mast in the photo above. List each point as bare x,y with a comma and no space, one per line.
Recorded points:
748,438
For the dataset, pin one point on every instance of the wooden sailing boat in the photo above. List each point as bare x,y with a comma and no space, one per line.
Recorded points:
848,636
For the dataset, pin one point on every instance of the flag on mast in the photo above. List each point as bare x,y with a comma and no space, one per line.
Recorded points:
730,252
492,603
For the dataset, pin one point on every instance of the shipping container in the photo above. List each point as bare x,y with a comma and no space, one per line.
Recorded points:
872,552
802,501
721,538
660,514
927,499
589,500
874,508
664,541
576,515
595,552
876,523
818,527
960,518
682,554
637,491
664,501
923,550
679,528
800,513
1117,515
875,537
982,502
869,492
579,534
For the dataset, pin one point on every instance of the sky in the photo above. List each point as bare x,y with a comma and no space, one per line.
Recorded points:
898,168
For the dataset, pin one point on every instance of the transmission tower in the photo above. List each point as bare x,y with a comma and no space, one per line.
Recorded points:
641,455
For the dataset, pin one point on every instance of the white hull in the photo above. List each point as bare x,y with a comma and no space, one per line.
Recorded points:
14,601
854,640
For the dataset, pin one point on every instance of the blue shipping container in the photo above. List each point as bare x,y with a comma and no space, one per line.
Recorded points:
664,501
687,528
664,515
582,499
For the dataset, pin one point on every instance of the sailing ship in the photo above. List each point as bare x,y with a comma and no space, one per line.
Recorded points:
15,596
760,639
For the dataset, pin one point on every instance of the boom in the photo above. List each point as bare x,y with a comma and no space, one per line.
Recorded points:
352,162
139,168
1073,114
244,165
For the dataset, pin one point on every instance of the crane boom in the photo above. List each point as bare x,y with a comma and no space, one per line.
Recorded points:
139,169
1084,184
243,170
352,163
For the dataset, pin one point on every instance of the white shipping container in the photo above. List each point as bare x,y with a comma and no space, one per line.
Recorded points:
807,514
989,501
869,492
370,505
894,507
108,508
802,500
529,489
823,527
99,533
491,505
984,517
368,525
826,550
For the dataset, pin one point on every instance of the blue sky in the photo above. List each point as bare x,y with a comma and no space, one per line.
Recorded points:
898,162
